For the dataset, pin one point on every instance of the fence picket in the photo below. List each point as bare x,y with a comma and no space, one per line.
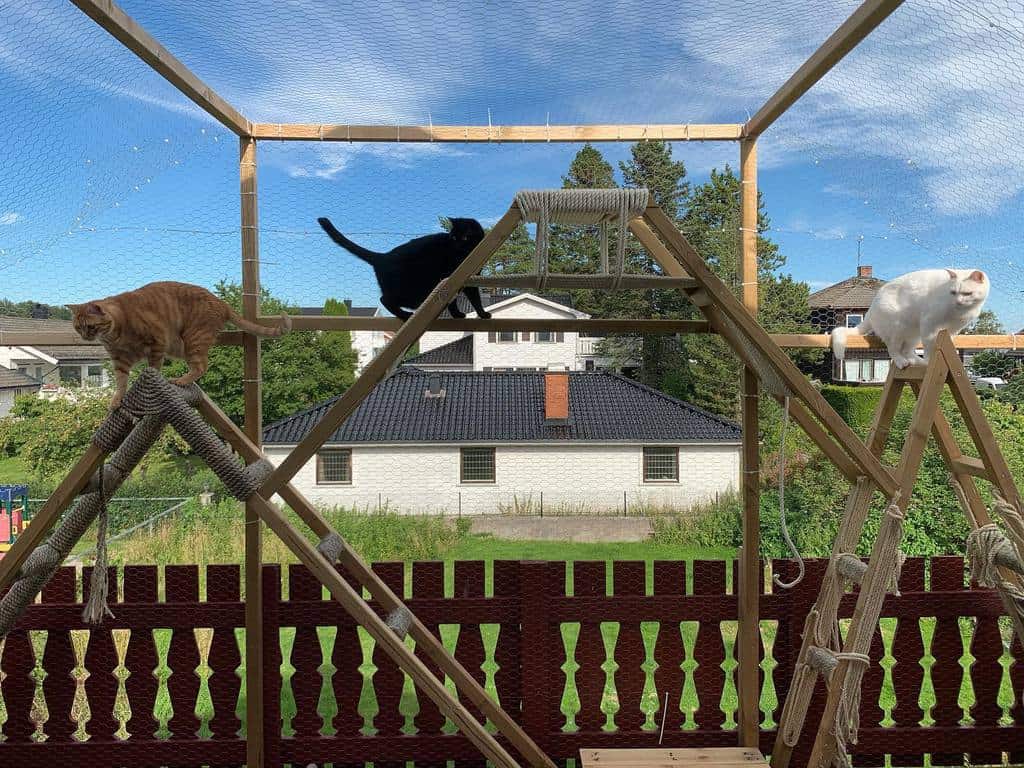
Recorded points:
709,647
141,658
589,581
224,659
629,578
306,655
59,685
669,649
181,585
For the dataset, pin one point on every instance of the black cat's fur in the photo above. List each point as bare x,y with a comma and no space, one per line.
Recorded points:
407,274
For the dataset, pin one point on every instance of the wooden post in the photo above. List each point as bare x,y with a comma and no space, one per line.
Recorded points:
750,577
251,386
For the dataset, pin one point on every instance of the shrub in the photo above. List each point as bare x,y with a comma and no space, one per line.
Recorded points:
855,404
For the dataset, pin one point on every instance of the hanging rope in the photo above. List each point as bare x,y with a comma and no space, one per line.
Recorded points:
783,523
98,608
988,548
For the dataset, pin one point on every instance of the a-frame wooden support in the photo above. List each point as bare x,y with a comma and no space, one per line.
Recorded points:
857,460
818,654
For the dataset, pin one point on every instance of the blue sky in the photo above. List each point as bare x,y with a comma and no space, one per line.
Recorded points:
111,179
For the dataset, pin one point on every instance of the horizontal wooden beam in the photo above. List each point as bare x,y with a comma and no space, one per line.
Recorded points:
72,339
496,133
860,24
126,30
584,282
963,341
614,325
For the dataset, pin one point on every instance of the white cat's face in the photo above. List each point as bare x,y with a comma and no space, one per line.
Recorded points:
970,291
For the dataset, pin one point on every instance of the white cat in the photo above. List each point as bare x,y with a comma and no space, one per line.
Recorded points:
913,308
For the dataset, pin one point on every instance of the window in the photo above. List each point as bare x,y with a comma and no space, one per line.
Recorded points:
477,465
334,466
852,321
71,374
39,372
506,337
661,465
589,365
95,375
546,337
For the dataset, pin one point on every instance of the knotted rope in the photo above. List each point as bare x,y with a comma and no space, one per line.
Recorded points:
602,207
988,548
97,608
888,555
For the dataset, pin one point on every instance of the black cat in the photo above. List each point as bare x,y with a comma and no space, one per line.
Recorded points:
407,274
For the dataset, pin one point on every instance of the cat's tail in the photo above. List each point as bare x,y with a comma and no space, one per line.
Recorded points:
354,248
263,330
841,334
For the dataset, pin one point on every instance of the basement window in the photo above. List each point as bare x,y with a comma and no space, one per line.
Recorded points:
477,465
661,465
334,466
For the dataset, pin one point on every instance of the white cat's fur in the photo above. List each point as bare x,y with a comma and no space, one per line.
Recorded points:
913,308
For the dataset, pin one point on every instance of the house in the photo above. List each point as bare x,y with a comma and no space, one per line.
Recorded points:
507,351
844,304
55,367
478,442
13,384
367,344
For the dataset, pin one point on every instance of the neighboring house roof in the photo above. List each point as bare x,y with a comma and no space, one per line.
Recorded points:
10,324
458,352
509,407
492,296
73,352
352,311
852,293
12,379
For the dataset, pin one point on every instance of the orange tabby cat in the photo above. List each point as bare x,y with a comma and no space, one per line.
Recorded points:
160,319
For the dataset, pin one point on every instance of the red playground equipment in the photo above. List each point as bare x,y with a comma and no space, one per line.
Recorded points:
14,514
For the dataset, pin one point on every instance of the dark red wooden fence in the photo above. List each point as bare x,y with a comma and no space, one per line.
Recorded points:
166,695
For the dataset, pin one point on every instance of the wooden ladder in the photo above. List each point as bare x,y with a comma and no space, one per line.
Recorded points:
818,653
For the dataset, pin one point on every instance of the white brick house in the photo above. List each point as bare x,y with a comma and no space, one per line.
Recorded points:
485,442
513,350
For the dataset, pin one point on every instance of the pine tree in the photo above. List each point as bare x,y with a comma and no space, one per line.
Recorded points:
651,166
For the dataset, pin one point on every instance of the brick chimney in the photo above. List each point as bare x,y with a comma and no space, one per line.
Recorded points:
864,271
556,398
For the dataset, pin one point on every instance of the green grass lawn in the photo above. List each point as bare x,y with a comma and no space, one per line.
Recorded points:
13,470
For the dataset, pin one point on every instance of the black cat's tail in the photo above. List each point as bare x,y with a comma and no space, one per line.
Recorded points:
354,248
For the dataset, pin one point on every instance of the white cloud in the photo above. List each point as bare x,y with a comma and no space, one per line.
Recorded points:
330,160
10,217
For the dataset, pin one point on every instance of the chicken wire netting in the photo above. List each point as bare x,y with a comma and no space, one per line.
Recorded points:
904,151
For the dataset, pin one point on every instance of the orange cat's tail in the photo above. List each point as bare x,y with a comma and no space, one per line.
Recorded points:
263,330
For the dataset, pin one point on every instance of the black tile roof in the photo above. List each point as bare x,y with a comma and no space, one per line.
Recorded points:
458,352
14,379
73,352
509,407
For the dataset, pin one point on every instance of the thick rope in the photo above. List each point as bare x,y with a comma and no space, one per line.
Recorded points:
988,547
888,556
783,523
97,608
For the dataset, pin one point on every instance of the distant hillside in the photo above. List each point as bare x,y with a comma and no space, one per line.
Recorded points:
33,309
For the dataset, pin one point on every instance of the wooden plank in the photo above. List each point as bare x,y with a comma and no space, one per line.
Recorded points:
426,641
45,518
72,339
921,423
721,756
795,381
977,423
410,331
136,39
748,641
969,465
252,393
963,341
591,282
385,638
565,325
496,133
851,527
860,24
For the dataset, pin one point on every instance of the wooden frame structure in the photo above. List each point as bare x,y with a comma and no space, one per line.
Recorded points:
724,314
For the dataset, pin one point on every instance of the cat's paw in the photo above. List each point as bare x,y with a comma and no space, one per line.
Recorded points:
181,381
484,315
458,314
115,401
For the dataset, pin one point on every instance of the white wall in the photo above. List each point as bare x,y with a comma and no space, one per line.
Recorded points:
526,354
367,345
577,477
7,398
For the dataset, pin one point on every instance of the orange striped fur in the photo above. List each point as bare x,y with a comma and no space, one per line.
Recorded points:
160,320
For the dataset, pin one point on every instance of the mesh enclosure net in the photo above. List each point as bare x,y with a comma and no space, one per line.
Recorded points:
904,151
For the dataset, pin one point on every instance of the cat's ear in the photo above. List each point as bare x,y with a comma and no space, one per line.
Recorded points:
977,276
952,274
95,309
